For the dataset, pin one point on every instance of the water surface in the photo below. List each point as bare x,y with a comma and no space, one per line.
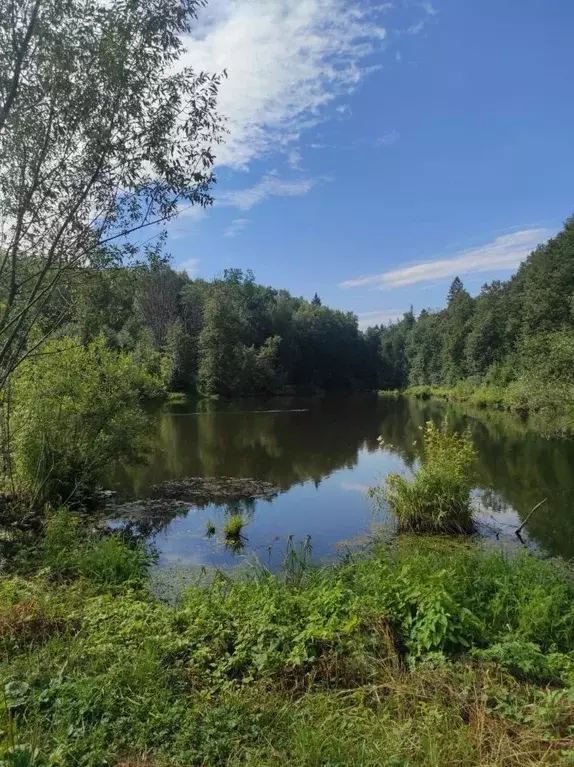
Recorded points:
323,454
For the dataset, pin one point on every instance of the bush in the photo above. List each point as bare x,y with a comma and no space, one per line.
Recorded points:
437,498
69,551
311,663
76,413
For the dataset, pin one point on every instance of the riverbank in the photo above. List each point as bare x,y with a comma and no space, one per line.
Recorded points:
550,408
429,651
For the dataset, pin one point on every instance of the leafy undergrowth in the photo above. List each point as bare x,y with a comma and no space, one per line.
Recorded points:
550,406
431,652
437,498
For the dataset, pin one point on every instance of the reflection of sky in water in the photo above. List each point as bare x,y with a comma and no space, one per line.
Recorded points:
324,456
337,509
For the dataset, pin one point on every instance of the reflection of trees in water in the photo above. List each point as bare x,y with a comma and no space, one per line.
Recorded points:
288,448
285,448
521,466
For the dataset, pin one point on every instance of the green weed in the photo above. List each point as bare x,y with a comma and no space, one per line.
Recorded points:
429,652
437,498
70,551
233,527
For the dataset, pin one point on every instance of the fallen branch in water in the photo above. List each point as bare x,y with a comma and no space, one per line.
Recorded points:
538,505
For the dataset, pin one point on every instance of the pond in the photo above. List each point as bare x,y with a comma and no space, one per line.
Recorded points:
323,454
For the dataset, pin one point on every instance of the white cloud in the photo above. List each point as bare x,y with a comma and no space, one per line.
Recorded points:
429,8
415,29
195,213
294,158
286,61
505,252
388,138
191,266
236,226
269,186
379,317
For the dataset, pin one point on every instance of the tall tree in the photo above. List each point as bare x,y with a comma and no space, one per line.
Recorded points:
101,134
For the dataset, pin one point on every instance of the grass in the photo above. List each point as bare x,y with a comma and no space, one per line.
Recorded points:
178,396
479,396
431,652
437,498
210,528
233,527
549,406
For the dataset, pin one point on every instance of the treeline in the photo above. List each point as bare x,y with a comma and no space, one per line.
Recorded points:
516,335
230,336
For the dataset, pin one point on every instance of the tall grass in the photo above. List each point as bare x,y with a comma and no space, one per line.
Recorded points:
429,652
233,527
437,498
70,551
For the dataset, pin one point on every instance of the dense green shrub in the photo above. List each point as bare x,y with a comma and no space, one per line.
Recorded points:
437,498
76,411
312,661
70,551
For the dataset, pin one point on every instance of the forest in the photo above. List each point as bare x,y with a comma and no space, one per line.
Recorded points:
228,337
512,344
233,337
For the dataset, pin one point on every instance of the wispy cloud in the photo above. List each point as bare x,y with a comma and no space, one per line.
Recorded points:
429,8
190,265
379,317
193,212
505,252
417,28
287,61
294,159
270,185
236,226
388,138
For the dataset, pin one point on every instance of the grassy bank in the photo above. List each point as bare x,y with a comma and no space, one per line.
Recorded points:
550,407
431,652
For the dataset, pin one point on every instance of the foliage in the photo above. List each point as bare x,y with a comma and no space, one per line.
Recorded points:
76,411
102,133
437,498
233,526
510,347
69,552
312,660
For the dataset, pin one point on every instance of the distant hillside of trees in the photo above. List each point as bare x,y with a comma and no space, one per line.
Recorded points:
234,337
518,333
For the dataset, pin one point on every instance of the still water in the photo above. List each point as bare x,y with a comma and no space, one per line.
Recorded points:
323,454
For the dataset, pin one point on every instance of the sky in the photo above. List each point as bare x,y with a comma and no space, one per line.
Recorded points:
378,149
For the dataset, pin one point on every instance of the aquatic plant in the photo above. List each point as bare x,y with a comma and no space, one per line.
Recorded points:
437,497
233,527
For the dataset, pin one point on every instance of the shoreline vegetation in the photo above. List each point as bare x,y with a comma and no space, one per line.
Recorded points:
551,412
430,649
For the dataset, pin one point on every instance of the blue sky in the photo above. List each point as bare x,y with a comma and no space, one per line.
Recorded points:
378,149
